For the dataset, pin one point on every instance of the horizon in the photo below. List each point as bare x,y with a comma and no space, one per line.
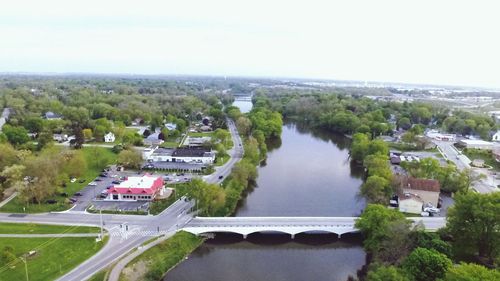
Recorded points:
425,43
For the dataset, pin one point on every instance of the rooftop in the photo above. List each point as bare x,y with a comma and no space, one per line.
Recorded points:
419,184
472,142
191,152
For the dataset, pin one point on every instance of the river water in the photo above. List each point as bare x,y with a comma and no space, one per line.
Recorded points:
307,173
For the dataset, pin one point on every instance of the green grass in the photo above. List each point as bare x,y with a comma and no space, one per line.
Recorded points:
97,159
484,155
54,257
221,161
164,256
30,228
201,134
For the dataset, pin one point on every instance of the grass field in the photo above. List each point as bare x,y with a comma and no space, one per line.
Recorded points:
97,159
155,262
54,256
29,228
484,155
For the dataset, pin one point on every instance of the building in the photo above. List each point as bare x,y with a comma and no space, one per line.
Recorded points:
60,137
49,115
410,203
478,163
476,144
153,139
109,137
144,188
426,189
436,135
171,126
196,141
194,155
496,136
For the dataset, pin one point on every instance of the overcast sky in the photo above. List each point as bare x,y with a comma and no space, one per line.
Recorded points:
440,42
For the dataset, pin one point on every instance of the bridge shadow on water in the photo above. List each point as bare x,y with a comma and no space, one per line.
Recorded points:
301,240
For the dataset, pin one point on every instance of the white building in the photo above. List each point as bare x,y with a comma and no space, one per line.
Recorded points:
109,137
496,136
196,155
436,135
476,144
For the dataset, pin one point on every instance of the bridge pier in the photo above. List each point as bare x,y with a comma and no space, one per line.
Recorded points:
293,236
245,236
340,235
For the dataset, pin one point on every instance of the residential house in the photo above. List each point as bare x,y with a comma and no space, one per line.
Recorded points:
109,137
49,115
171,126
496,136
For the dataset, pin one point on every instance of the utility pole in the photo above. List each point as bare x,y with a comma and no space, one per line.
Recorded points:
100,213
25,267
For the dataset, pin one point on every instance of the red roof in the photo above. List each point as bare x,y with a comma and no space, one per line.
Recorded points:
156,185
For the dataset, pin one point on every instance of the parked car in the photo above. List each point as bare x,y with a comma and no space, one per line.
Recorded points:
97,179
103,175
220,177
116,182
431,210
73,200
78,194
92,184
72,180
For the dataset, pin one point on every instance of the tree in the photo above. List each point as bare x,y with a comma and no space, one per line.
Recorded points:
471,272
378,146
374,224
376,189
386,273
75,163
473,222
426,265
404,123
87,133
360,146
244,125
34,124
378,165
130,158
16,135
44,139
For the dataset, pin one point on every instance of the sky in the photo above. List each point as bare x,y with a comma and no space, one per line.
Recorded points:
427,42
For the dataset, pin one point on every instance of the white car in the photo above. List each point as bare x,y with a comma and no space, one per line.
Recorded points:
92,184
431,210
72,180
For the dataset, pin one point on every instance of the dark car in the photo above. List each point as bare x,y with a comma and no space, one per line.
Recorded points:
97,179
73,200
109,186
81,181
116,182
51,201
220,177
78,194
103,175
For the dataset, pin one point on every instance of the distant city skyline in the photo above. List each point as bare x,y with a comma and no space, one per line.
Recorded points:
424,42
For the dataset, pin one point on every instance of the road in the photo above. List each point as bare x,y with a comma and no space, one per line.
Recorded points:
449,152
236,153
126,232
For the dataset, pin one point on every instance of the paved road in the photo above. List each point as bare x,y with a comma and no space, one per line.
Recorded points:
236,154
126,232
462,162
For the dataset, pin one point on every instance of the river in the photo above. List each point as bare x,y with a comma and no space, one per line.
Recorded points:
307,173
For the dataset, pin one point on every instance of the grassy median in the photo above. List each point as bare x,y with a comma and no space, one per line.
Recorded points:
53,258
30,228
155,262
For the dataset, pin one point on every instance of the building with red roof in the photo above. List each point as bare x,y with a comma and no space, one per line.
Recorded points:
143,188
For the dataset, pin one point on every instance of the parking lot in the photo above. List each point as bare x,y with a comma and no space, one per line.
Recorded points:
90,195
163,165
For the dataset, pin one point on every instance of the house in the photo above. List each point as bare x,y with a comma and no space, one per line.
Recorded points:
476,144
205,128
171,126
49,115
426,189
496,136
60,137
143,188
478,163
153,139
410,203
109,137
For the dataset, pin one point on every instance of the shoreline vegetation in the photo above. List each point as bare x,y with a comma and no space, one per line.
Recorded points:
256,127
